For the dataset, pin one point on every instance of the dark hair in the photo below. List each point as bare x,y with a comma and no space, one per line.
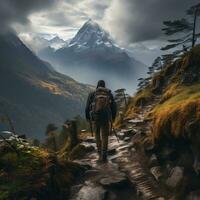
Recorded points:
101,83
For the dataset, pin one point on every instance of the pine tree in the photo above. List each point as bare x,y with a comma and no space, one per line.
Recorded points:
121,96
186,27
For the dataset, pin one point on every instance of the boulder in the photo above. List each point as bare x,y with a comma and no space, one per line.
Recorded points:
157,173
91,192
176,176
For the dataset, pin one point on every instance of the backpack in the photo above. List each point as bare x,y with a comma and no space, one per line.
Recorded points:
101,104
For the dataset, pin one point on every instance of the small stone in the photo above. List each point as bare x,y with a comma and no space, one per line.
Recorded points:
127,139
91,192
121,135
114,181
136,121
156,171
176,176
126,146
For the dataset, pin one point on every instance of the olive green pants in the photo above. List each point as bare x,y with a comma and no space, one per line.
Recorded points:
101,136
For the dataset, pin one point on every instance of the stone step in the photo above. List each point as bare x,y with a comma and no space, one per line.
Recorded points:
140,177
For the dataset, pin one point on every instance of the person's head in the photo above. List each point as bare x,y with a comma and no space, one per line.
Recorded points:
101,83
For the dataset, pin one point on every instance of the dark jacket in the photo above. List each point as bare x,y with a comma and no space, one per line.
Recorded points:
90,99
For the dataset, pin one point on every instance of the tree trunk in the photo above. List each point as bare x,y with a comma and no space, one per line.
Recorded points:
125,99
194,28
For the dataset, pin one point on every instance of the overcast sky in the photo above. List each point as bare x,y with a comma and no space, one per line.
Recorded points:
134,24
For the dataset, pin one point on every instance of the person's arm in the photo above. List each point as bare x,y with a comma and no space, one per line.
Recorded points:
113,107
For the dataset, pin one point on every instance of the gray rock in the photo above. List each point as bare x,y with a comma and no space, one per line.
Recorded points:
136,121
195,195
121,135
74,190
91,173
91,192
124,146
156,171
127,139
114,181
176,176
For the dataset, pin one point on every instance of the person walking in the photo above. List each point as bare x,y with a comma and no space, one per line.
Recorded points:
100,111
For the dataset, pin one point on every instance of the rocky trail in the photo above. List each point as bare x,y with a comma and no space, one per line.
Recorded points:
125,176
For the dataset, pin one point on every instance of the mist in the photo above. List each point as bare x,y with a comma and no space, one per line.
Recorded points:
86,75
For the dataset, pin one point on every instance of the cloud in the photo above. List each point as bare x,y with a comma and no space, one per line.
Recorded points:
64,18
136,20
13,11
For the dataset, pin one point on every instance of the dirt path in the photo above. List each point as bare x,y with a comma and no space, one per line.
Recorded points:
124,176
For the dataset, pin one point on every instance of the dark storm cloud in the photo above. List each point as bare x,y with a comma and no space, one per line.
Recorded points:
18,10
136,20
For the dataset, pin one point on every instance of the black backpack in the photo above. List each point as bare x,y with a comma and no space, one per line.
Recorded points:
100,107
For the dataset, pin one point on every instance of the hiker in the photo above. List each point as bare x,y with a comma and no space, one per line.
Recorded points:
101,111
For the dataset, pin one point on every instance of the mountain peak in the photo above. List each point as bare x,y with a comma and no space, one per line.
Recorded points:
91,35
91,22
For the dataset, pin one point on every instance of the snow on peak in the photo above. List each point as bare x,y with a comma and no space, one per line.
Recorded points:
91,35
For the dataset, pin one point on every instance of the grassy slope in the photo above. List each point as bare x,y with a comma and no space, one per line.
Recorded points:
28,175
32,93
182,106
179,104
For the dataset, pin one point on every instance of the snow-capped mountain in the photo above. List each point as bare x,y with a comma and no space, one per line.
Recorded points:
32,93
92,54
91,36
57,42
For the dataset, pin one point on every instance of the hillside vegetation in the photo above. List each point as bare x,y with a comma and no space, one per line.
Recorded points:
33,94
177,86
169,133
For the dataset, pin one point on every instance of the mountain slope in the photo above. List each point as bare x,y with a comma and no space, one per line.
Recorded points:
92,55
167,111
32,93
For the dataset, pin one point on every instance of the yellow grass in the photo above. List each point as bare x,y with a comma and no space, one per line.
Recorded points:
171,116
53,88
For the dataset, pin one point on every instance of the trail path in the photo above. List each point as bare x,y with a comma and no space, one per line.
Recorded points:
125,176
